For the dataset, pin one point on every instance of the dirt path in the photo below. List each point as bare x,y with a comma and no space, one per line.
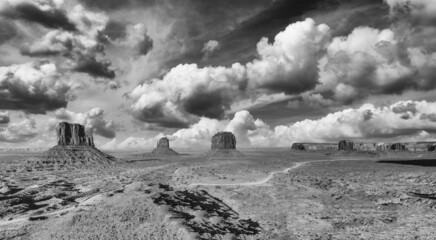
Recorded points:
266,179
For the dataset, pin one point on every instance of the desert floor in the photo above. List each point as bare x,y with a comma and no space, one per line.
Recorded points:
268,194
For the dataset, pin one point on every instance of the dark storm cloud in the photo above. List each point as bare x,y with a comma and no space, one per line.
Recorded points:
53,18
4,118
7,31
117,4
205,104
404,108
156,115
31,104
113,31
95,68
430,117
145,45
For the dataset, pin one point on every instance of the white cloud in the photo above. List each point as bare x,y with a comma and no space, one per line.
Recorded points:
19,132
35,87
210,47
93,120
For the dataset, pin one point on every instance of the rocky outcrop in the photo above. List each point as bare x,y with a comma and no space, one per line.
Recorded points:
298,147
163,143
398,147
314,147
345,145
162,150
75,147
73,135
224,140
223,146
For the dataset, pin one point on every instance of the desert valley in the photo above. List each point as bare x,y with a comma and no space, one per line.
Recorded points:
307,191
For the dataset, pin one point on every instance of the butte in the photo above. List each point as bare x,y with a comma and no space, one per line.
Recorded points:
162,150
75,147
223,146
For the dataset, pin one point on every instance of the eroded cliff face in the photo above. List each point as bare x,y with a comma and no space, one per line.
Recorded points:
163,143
73,135
346,145
223,140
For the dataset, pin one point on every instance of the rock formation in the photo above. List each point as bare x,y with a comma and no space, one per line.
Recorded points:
398,147
163,149
73,135
346,145
298,147
163,143
224,140
74,147
313,147
223,145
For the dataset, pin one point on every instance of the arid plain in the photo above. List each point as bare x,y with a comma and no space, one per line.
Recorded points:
267,194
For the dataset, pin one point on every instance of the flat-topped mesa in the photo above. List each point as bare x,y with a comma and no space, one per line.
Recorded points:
346,145
163,143
73,135
223,146
223,140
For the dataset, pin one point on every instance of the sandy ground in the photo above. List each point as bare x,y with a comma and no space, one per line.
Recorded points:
268,194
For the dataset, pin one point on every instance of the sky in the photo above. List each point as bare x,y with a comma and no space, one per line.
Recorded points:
273,72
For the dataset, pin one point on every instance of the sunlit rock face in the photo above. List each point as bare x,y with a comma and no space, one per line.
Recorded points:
73,135
346,145
224,140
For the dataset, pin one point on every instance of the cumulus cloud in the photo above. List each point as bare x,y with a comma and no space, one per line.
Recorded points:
368,61
210,47
187,92
35,87
18,132
289,64
78,44
4,117
93,120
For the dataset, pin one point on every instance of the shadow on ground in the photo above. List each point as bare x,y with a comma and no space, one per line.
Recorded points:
421,162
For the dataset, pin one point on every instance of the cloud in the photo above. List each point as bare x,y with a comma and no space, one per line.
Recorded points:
4,118
94,67
44,12
7,31
421,11
187,92
35,87
210,47
18,132
93,120
80,49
